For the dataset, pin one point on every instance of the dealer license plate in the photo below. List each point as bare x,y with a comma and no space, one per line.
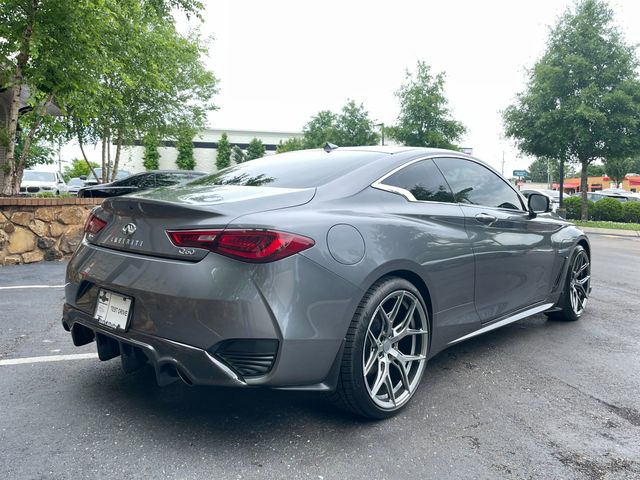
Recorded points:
112,310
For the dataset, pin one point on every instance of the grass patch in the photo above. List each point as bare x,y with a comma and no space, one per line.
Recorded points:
613,225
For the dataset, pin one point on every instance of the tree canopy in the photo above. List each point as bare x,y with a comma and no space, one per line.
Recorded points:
255,149
117,69
290,145
351,127
425,119
582,101
617,168
540,167
78,168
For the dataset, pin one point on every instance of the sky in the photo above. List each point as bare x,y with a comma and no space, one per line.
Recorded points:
282,61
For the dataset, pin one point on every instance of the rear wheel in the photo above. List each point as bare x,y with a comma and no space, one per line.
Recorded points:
385,351
573,300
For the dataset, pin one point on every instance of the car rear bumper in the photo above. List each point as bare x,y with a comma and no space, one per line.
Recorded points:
171,360
217,321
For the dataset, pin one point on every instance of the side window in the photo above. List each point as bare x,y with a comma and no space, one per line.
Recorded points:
423,180
477,185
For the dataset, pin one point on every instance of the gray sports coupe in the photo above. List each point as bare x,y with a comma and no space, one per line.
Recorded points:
339,269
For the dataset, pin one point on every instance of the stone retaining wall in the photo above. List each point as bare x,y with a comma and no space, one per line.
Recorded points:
35,229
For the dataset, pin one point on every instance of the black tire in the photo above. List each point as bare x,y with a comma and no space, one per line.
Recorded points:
354,392
570,311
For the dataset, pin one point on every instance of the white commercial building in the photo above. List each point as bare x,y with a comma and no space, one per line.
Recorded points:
205,149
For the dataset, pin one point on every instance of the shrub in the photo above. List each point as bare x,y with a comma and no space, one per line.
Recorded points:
255,149
631,212
223,158
151,158
573,206
184,144
608,210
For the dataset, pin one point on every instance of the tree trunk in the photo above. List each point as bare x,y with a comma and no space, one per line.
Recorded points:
9,168
104,158
584,187
561,182
108,174
84,155
116,162
18,171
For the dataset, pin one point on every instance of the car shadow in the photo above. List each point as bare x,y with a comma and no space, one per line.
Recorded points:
234,413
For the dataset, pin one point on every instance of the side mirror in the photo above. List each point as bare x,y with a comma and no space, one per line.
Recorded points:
538,203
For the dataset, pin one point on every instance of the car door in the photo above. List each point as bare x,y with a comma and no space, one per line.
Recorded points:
514,253
440,245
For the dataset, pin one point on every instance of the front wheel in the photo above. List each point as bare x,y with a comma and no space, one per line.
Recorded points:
386,350
577,287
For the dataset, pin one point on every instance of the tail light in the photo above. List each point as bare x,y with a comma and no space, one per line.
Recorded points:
258,246
93,224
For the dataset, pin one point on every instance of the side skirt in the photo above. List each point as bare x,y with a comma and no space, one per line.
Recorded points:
504,321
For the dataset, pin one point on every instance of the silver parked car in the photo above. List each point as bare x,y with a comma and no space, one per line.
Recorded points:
342,270
75,184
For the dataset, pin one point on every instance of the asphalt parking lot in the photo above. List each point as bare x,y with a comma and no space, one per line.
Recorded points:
535,399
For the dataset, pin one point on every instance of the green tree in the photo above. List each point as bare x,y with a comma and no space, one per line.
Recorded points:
539,170
184,144
320,130
582,101
354,127
223,158
255,149
78,168
617,168
540,166
151,156
425,119
594,170
290,145
237,155
113,67
153,80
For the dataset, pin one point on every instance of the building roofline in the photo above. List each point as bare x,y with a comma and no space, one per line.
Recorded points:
245,131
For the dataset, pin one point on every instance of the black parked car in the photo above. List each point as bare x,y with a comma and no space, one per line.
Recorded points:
139,182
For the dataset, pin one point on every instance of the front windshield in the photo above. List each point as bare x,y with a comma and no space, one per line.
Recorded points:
32,176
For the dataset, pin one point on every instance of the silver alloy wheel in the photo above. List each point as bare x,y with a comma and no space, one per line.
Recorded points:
395,349
579,282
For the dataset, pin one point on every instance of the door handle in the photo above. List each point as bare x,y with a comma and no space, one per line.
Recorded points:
485,219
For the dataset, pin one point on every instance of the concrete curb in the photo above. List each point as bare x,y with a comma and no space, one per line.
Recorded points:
610,231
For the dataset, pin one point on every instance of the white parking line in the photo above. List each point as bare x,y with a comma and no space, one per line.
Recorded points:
16,287
49,358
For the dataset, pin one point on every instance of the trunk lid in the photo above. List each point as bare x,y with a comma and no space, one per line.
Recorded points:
138,223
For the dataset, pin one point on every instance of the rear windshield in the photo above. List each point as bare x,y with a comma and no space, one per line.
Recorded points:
303,169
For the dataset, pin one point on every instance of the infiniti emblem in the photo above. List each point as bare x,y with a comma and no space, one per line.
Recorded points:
129,229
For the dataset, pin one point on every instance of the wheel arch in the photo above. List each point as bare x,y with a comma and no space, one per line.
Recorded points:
584,243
